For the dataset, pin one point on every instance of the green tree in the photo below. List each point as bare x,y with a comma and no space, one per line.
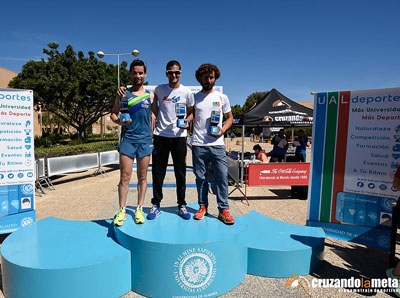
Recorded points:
48,119
77,89
236,109
252,99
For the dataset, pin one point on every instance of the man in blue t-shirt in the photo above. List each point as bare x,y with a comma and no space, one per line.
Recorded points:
280,146
301,143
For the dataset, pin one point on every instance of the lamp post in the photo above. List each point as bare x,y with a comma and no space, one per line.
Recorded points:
101,54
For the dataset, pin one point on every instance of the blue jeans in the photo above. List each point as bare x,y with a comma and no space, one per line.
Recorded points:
202,157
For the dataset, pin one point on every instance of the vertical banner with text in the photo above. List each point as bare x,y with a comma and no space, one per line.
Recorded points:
17,163
356,151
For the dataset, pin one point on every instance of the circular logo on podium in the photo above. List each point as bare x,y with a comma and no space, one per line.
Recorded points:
195,269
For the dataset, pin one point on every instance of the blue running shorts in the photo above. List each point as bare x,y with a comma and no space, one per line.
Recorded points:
134,150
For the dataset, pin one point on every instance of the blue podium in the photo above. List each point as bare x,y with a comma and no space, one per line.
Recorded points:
280,249
173,257
62,258
166,257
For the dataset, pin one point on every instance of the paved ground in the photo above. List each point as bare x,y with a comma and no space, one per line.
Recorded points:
81,196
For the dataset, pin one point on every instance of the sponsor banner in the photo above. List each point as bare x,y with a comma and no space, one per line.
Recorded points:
194,89
17,163
278,173
356,151
16,198
16,137
11,223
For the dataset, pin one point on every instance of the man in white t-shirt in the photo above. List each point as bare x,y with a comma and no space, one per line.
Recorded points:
208,141
173,101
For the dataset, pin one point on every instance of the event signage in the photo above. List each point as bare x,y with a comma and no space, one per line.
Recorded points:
356,151
17,162
278,173
194,89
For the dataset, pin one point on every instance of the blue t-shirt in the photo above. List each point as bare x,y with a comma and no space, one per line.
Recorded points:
140,129
303,143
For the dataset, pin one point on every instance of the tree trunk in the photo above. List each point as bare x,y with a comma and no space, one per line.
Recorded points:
51,122
101,127
81,133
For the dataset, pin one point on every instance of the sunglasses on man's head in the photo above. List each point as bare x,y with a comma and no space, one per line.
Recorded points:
174,72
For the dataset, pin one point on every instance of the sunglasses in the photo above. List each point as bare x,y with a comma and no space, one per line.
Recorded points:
174,72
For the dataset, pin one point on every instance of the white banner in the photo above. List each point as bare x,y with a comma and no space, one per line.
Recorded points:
16,137
194,89
373,142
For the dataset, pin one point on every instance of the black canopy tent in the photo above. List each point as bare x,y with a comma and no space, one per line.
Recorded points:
273,110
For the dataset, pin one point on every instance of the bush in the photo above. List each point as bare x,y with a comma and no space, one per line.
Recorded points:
47,140
58,150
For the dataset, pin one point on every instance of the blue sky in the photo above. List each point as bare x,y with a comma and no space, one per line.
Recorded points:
293,46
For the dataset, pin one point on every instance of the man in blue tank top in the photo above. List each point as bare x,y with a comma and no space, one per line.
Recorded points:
136,138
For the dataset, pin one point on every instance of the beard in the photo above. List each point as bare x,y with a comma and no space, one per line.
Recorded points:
207,87
137,83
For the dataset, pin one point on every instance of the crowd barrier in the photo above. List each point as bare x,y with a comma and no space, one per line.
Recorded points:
51,166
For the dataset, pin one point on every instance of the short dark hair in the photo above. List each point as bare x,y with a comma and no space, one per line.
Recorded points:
172,63
207,67
300,130
138,62
257,147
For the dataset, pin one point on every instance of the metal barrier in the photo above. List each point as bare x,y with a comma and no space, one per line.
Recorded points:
107,158
47,167
73,163
41,169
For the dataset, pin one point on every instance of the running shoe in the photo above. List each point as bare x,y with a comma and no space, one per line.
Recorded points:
139,218
225,217
154,212
119,217
182,212
200,214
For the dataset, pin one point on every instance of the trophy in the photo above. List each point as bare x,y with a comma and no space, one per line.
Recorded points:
123,107
215,119
180,110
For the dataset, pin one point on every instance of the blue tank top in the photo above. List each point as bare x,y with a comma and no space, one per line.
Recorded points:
140,129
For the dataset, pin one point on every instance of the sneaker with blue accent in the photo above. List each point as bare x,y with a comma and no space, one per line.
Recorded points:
182,212
154,212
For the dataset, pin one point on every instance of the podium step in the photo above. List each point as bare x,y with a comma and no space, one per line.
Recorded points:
62,258
189,258
279,249
165,257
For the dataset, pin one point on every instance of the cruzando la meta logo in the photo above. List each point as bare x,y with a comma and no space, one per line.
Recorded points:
195,269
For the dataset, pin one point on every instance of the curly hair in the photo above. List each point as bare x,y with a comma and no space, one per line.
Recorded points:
207,67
